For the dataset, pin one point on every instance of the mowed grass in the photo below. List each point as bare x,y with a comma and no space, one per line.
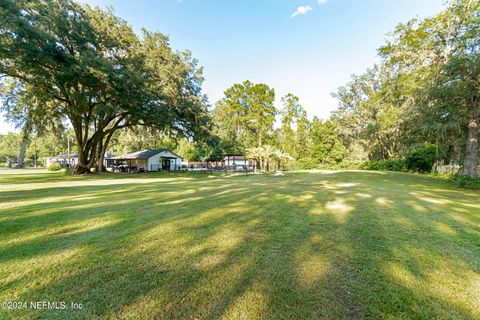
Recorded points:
343,245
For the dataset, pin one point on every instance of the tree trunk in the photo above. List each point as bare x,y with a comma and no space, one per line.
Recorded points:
471,156
102,149
99,167
82,165
23,150
27,128
87,153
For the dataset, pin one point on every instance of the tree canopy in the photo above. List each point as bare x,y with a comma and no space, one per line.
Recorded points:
424,90
245,116
88,66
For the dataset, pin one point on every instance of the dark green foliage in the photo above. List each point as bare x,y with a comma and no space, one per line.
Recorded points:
326,145
421,159
466,182
307,164
418,160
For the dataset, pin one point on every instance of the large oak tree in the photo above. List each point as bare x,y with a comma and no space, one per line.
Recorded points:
88,66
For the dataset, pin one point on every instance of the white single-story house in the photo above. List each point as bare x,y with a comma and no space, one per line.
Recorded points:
65,160
149,160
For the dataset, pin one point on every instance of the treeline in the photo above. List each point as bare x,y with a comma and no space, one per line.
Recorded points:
421,101
419,105
15,150
426,89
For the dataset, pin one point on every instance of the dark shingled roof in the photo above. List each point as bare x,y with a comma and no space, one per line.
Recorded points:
144,154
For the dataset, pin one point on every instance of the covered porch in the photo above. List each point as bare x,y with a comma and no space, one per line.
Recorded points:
119,164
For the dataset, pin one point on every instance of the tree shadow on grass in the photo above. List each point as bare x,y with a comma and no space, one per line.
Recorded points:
344,245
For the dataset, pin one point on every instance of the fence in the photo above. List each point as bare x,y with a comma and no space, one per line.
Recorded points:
450,169
198,164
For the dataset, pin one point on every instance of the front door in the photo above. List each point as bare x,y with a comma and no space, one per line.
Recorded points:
165,164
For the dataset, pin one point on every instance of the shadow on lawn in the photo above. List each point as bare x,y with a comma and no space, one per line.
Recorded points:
343,245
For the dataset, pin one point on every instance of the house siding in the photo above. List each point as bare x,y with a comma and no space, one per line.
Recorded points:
155,162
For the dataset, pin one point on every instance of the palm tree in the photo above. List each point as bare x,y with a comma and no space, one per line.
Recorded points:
254,153
268,153
265,155
282,157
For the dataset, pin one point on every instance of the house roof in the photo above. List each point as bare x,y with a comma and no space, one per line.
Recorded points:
63,156
144,154
75,155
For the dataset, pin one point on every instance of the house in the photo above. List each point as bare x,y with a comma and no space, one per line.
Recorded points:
65,160
148,160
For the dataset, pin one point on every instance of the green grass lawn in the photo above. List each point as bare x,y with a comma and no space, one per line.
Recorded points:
348,245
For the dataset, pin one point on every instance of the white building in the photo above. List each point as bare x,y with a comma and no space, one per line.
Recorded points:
65,160
149,160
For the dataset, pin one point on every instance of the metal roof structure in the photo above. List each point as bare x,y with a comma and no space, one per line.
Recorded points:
144,154
75,155
63,156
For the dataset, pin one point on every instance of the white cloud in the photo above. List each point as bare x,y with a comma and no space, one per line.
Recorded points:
301,10
322,1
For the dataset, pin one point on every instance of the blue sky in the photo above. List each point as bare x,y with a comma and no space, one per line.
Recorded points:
306,47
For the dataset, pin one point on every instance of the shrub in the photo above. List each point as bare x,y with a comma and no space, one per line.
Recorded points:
369,165
421,159
54,167
395,165
307,164
344,165
466,182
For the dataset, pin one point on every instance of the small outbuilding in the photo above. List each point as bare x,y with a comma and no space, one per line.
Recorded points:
237,159
148,160
64,160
